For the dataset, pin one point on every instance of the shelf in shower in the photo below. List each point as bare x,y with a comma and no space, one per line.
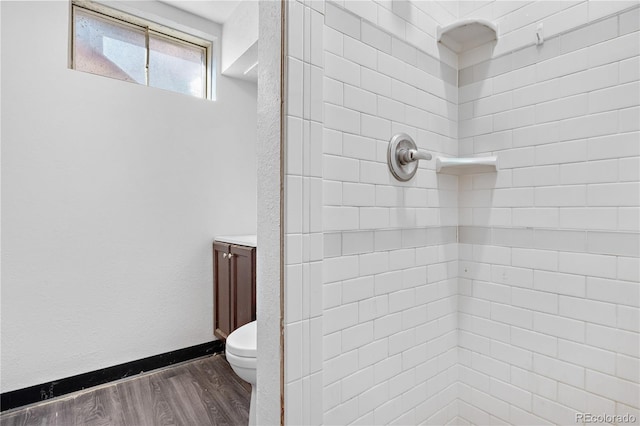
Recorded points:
466,34
467,165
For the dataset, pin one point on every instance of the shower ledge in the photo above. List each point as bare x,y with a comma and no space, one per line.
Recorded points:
466,34
466,166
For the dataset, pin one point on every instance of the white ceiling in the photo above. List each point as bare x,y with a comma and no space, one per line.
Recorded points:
213,10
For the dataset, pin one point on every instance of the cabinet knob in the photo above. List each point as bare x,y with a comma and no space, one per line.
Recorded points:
231,255
224,255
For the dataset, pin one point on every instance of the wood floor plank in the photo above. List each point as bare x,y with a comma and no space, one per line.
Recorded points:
200,392
136,402
206,392
225,388
99,408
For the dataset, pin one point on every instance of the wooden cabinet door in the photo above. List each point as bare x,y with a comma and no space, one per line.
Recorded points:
234,288
222,292
243,284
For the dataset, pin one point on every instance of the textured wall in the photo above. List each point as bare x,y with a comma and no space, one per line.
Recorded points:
269,165
111,196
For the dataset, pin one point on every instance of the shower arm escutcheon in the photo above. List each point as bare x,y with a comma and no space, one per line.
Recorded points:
403,156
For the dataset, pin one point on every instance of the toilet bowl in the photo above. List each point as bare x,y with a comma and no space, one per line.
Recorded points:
241,354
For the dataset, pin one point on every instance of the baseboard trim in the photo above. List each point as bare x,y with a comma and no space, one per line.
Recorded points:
44,391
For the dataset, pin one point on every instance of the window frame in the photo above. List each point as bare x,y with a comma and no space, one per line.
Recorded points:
148,27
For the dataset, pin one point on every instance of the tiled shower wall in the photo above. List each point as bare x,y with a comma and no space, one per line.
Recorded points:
549,271
363,300
390,252
373,265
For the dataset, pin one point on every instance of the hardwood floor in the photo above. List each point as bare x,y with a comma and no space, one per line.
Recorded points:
195,393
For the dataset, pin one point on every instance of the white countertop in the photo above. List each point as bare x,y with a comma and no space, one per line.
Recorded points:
241,240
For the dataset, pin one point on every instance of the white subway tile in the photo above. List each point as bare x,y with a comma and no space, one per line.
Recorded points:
340,168
373,36
367,9
534,300
597,11
588,264
342,21
356,194
357,336
535,217
628,218
390,109
333,91
613,339
629,268
628,119
616,49
566,195
554,282
589,126
488,403
342,119
373,308
630,21
616,97
375,127
390,22
565,152
557,413
616,243
509,314
536,342
588,310
629,318
587,356
627,368
511,394
340,218
515,158
614,194
535,259
614,146
339,318
360,53
613,291
372,398
344,413
558,326
332,41
374,218
341,69
630,70
612,387
590,79
375,82
559,370
629,169
562,65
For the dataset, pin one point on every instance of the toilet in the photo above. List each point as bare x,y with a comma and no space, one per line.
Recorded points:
241,355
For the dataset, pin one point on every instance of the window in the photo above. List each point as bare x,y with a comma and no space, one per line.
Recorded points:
116,45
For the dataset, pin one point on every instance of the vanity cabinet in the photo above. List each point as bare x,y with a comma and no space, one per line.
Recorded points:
234,287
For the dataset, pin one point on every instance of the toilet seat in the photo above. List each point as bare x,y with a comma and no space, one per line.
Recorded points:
242,342
241,361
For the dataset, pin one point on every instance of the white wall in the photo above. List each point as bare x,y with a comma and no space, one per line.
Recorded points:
111,196
549,295
240,32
